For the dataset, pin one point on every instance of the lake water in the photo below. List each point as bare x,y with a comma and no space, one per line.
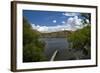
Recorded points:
53,44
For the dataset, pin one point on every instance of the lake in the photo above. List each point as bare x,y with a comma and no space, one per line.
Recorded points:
59,44
61,47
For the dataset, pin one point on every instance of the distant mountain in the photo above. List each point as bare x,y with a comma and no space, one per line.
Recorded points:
58,34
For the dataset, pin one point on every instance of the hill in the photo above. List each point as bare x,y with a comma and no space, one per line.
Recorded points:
58,34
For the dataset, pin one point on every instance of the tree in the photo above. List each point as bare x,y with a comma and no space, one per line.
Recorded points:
32,48
81,40
86,16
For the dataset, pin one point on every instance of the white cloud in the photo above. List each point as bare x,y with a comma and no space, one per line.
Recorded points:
54,21
40,28
63,22
69,14
87,21
34,26
73,23
43,28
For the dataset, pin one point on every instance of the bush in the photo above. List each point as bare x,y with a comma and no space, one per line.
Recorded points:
81,39
32,48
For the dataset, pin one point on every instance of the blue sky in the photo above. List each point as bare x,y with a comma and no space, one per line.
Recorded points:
48,18
52,20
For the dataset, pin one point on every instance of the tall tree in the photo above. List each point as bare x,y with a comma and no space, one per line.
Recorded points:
32,48
81,40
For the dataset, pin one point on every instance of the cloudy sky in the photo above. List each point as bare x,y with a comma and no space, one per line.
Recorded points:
52,21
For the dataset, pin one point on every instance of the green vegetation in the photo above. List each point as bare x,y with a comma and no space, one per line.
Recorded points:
81,40
32,48
86,16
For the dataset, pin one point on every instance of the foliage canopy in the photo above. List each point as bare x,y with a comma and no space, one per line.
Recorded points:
81,40
32,48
